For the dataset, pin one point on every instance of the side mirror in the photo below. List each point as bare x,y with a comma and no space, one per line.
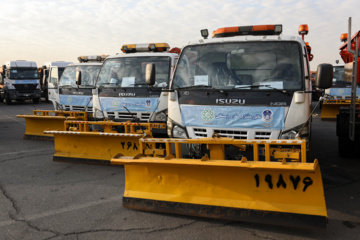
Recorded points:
78,78
150,74
324,76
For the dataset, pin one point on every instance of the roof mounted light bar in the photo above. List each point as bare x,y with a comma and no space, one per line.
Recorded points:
145,47
247,30
92,58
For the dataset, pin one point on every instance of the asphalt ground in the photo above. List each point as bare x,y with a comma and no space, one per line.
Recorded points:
42,199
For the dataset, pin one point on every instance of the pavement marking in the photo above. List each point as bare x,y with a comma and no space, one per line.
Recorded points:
15,119
26,151
60,211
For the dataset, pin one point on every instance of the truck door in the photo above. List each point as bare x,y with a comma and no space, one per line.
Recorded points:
53,87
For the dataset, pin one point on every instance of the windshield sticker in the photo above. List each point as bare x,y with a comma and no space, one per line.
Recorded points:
233,117
128,82
201,80
113,81
243,86
76,100
162,84
109,104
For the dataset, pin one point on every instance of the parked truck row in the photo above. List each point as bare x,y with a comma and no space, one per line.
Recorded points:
175,119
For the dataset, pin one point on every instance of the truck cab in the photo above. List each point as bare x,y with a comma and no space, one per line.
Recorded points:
122,93
247,82
48,86
19,81
76,84
340,89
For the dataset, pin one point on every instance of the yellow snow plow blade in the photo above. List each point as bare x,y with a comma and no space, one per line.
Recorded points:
81,145
278,188
43,120
330,108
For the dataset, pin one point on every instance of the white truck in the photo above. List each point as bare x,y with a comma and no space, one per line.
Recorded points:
19,80
76,84
247,82
48,85
121,91
340,89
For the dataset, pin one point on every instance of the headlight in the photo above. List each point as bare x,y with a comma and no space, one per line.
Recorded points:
160,117
98,114
179,132
289,135
38,86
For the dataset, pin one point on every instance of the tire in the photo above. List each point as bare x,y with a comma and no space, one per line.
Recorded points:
8,100
35,100
345,146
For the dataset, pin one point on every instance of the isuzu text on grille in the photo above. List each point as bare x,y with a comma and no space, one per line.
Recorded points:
230,101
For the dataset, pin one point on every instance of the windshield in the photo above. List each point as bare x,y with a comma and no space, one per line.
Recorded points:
24,73
338,75
130,72
89,74
241,65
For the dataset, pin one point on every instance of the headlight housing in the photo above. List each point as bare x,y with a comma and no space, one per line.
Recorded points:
295,132
179,132
289,135
176,131
160,117
98,114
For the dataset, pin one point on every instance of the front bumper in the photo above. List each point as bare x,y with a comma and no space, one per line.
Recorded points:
17,95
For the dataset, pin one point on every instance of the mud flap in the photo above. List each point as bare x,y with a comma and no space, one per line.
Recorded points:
274,192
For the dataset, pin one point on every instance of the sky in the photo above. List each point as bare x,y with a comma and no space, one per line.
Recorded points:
62,30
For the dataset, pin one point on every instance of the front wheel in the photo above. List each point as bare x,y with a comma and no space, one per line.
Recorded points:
8,100
345,146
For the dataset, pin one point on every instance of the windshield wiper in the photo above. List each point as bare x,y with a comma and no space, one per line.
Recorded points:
194,86
269,86
137,84
223,91
261,85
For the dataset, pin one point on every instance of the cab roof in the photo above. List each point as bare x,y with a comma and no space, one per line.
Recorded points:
144,54
249,38
21,63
